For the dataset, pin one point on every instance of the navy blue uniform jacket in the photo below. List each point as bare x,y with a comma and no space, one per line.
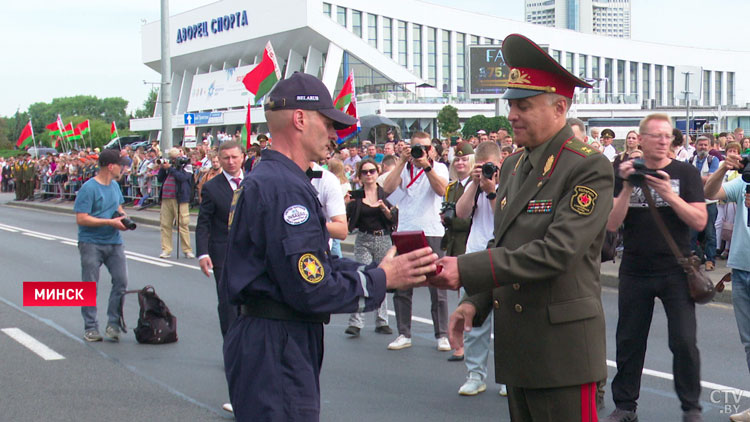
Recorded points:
278,246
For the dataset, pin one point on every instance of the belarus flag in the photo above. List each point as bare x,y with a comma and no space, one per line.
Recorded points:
347,103
27,135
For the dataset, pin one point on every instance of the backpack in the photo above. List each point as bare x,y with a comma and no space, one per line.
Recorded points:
156,325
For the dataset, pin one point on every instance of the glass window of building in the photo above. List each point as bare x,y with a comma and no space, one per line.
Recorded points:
372,30
717,88
670,85
730,88
595,73
569,62
357,23
432,56
582,62
488,41
341,15
658,84
706,87
633,78
608,75
557,55
327,9
388,37
460,61
474,40
416,35
402,43
620,77
646,73
446,56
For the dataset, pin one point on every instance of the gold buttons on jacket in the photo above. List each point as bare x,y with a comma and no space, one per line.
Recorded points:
516,286
518,308
496,304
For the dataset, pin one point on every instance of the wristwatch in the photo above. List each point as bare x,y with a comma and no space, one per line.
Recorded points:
427,169
491,196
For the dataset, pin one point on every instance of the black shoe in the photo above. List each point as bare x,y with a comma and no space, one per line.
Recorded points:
455,358
621,415
352,331
383,329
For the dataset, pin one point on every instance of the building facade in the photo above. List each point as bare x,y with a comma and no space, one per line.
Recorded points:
610,18
409,59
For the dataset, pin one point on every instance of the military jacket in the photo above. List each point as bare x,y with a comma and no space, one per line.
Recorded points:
541,274
457,232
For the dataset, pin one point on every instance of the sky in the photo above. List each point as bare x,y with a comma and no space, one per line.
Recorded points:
54,49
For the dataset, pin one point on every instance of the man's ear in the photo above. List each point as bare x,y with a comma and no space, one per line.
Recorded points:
299,119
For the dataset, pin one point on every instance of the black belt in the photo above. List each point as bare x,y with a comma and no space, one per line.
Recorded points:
263,307
378,232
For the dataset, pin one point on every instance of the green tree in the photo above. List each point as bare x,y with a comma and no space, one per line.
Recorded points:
84,106
500,122
448,121
474,124
148,106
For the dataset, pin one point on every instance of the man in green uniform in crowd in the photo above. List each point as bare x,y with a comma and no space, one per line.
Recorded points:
541,271
28,178
17,185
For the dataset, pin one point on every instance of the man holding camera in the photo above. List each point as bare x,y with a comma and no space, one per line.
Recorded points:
174,176
737,191
419,184
649,269
100,219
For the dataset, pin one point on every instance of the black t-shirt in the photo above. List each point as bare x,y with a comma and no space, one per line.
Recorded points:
370,219
645,250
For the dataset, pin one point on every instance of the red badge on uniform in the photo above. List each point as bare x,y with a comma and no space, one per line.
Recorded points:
583,200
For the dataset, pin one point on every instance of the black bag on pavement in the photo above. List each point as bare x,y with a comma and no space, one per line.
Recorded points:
156,324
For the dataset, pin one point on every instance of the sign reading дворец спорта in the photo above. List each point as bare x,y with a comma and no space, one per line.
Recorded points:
220,24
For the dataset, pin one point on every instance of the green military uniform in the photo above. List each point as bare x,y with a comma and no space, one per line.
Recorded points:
457,231
28,179
18,184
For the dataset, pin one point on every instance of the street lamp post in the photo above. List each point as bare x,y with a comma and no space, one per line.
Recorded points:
165,93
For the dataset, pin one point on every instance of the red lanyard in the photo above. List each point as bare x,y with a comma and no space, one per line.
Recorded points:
413,178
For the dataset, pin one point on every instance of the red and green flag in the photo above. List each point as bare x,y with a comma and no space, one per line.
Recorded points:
347,102
264,75
56,128
76,135
83,127
113,131
68,130
27,136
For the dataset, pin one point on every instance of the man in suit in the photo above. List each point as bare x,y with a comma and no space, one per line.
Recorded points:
213,221
540,274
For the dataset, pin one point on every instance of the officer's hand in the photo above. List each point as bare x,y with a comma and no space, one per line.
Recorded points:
407,270
459,323
117,223
206,265
448,277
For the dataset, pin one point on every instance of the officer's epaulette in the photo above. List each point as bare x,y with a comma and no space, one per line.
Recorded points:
517,151
580,148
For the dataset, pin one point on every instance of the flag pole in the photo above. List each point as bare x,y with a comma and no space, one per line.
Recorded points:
36,150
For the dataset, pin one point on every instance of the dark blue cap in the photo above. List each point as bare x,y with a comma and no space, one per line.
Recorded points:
306,92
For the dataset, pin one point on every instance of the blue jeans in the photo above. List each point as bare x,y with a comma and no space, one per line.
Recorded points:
741,303
477,347
93,255
709,234
336,248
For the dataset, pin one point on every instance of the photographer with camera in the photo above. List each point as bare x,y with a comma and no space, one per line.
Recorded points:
100,219
737,191
649,268
419,184
174,177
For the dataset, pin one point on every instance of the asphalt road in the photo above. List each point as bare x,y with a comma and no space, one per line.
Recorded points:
184,381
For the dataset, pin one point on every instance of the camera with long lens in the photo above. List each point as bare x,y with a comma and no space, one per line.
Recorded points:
641,171
745,163
180,162
448,210
128,223
488,170
418,151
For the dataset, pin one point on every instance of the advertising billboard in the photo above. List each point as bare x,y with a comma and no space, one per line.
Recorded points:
220,89
488,74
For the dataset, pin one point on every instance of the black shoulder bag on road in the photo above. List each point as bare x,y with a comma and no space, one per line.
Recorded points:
702,289
156,324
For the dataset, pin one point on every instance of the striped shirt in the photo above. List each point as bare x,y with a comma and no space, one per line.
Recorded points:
169,188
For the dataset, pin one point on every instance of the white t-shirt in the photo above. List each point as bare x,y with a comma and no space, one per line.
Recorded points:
418,204
482,225
329,193
610,152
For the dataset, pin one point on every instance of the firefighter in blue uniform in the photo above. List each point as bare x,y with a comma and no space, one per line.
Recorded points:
279,269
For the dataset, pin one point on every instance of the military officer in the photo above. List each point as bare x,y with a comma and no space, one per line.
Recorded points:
541,271
457,229
28,177
17,170
279,269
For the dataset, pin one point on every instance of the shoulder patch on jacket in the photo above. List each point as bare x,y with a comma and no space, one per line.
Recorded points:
580,148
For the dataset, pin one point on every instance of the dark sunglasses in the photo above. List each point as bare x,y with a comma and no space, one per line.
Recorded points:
368,171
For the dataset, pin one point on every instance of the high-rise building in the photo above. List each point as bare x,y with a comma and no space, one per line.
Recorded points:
603,17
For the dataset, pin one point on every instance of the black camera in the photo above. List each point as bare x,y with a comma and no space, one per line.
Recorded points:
180,162
448,210
128,223
745,163
418,151
488,170
641,171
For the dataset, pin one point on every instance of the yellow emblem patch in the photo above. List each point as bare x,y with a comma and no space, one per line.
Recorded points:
583,200
310,268
233,205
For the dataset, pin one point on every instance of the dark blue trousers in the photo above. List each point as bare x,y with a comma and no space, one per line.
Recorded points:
273,369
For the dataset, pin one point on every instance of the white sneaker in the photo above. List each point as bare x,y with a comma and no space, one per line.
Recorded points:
741,417
473,385
401,342
165,255
503,390
228,407
443,344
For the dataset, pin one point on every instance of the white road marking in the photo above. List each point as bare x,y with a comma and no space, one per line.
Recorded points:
32,344
69,243
148,261
8,229
38,236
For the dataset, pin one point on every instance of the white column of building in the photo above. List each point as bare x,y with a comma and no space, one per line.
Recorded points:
334,57
724,97
639,79
664,91
409,46
589,92
651,83
616,88
425,71
711,89
454,64
349,19
438,59
602,83
379,24
626,88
